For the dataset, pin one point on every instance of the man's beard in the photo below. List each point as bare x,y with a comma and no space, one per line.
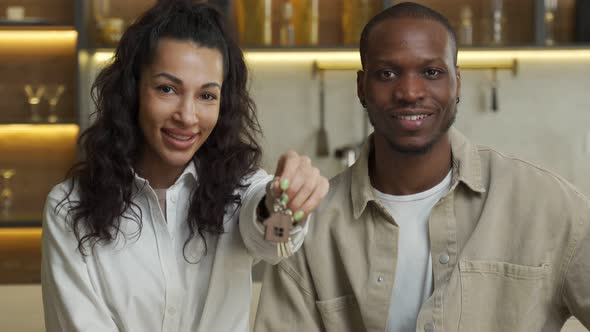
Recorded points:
421,150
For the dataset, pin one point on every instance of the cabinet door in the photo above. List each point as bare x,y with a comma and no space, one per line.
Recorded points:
38,94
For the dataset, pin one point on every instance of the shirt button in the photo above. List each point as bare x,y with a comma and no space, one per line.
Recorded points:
171,311
173,199
429,327
443,258
379,279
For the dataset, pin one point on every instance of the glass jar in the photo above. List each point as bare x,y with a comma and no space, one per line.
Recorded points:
108,28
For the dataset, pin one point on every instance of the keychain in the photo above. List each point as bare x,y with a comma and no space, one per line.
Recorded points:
279,224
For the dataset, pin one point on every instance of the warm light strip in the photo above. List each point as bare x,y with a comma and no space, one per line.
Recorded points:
46,130
49,37
304,56
32,43
351,58
33,232
508,55
22,238
467,55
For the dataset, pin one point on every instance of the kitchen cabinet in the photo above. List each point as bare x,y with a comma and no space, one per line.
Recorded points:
38,123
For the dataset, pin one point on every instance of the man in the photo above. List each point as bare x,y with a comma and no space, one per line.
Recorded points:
427,232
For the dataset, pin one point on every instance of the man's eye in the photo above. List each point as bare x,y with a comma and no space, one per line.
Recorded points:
386,74
432,73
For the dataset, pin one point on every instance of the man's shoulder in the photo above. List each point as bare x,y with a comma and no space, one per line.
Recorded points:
527,178
339,195
340,183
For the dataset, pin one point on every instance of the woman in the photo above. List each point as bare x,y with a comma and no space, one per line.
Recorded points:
144,235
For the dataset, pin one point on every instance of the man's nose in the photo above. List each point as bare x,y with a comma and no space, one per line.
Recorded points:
410,88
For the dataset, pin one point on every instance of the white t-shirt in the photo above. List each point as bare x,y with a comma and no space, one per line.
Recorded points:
413,276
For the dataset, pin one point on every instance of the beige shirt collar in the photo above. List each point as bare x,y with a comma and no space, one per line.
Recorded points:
466,170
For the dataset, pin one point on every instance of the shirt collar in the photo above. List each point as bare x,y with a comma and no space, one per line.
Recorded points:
190,171
466,169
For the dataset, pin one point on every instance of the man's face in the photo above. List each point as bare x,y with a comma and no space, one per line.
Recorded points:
410,83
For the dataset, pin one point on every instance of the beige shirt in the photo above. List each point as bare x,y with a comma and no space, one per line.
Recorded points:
510,245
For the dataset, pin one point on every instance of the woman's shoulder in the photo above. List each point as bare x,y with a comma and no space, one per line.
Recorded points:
57,207
64,190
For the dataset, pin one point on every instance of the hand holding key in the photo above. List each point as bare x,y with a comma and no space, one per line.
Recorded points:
295,192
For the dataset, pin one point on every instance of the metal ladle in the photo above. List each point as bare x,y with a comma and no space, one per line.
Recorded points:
322,149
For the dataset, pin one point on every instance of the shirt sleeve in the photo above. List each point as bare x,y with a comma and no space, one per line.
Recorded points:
70,303
252,230
576,291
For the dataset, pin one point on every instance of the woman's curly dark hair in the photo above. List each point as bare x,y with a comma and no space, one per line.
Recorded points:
104,179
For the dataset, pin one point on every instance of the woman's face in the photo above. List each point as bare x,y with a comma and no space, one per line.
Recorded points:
179,101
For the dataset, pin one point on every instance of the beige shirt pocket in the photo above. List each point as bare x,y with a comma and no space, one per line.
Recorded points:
495,296
341,314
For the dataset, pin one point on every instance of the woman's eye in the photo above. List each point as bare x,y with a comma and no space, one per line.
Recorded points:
208,96
166,89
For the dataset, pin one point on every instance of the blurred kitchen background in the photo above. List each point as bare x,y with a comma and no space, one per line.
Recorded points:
525,91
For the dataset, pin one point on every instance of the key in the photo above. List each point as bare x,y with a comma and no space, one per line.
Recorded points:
278,228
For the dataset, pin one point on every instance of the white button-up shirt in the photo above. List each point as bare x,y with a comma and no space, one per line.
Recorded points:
147,280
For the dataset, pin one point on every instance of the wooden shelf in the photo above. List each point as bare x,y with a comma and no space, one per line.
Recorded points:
20,255
18,221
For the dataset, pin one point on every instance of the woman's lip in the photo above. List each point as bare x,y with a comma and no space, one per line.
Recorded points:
177,143
179,132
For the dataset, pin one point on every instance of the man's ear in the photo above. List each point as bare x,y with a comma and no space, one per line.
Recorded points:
458,76
360,87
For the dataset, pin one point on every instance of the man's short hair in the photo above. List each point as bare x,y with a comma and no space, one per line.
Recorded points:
406,10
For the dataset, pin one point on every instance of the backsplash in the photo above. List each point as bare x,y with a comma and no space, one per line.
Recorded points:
543,116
